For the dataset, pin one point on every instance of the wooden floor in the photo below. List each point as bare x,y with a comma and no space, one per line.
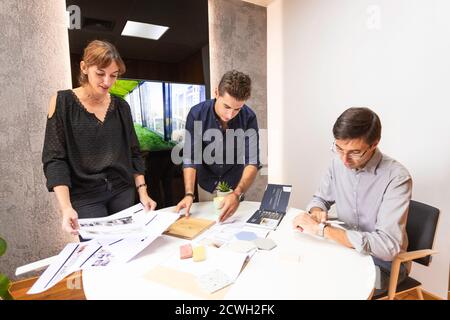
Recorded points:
411,295
71,288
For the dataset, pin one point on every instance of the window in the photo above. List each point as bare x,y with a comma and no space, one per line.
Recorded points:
182,98
163,107
152,106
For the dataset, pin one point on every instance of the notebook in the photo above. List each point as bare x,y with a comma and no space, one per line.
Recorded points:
273,207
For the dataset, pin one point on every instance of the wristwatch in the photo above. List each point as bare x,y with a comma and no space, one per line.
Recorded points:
322,227
241,196
190,194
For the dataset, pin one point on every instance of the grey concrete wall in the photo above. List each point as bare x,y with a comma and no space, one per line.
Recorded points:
238,40
34,64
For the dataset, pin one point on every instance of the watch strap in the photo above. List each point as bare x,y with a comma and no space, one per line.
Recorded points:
190,194
241,196
322,227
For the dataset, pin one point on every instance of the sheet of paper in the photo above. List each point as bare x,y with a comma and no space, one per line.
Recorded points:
214,280
101,252
123,250
133,221
227,261
183,282
261,233
69,260
37,265
220,234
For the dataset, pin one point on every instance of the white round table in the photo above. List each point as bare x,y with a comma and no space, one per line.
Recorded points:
300,267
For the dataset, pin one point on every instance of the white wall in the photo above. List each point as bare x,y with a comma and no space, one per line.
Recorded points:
392,56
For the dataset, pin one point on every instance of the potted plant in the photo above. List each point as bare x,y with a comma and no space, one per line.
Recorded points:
223,189
4,281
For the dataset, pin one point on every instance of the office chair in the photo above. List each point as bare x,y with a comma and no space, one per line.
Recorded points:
421,228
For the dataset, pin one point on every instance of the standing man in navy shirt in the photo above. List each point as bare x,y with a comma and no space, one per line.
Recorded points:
221,144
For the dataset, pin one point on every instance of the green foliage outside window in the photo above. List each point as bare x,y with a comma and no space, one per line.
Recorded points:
151,141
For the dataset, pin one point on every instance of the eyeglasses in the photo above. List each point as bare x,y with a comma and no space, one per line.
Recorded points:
351,155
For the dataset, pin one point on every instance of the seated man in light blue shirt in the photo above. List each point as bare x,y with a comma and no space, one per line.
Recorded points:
371,192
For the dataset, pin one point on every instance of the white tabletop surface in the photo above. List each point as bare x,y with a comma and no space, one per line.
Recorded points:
300,267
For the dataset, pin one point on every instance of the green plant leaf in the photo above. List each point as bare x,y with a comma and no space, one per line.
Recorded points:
223,186
3,246
4,286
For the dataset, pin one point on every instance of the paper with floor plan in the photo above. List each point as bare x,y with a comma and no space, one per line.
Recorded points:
102,252
123,250
69,260
132,221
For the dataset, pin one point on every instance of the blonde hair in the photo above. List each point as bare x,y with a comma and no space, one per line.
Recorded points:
101,54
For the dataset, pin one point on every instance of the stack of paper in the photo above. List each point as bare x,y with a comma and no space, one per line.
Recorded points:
105,249
220,269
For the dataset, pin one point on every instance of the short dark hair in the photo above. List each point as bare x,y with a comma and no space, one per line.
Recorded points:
236,84
356,123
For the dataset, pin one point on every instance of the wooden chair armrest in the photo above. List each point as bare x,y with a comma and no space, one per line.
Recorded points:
411,255
395,268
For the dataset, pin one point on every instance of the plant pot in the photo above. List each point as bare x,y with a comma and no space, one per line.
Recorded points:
217,201
224,194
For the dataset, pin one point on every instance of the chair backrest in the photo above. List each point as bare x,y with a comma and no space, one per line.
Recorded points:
421,227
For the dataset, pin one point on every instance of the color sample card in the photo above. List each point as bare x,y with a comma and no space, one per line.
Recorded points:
246,235
199,254
213,280
264,243
186,251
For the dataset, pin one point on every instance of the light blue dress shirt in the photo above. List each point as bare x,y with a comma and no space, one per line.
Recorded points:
372,201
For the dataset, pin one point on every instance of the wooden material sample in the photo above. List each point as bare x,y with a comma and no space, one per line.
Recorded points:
188,228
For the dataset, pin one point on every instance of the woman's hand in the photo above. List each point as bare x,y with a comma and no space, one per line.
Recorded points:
146,201
70,221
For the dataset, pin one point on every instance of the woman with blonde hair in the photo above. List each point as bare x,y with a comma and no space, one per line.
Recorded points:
91,154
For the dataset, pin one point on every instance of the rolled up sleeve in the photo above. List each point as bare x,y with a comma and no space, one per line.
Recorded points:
190,143
252,155
389,236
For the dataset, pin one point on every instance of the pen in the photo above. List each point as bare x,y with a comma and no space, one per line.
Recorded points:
334,222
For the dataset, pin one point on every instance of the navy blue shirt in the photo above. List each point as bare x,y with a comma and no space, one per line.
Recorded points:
226,158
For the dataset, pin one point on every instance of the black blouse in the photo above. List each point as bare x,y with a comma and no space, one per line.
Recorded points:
88,155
